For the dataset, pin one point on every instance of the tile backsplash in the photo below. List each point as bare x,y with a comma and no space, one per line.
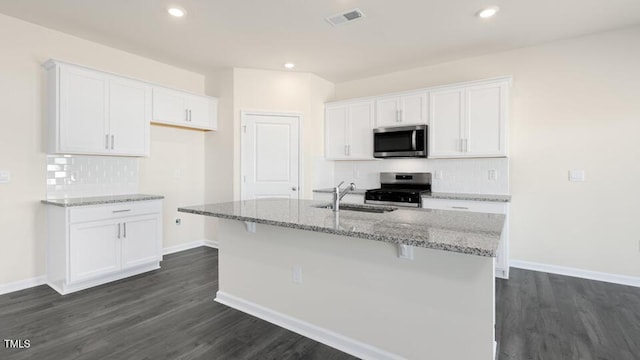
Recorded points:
449,175
79,176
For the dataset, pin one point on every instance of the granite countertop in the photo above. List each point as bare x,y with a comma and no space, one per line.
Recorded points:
97,200
437,195
462,232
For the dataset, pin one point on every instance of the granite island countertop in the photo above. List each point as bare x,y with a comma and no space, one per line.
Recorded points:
463,232
442,195
98,200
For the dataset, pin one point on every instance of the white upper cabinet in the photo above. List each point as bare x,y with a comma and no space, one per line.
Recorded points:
95,113
177,108
129,115
447,122
469,121
81,115
349,131
400,110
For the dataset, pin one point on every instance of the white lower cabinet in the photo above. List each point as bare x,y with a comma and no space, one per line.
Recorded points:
93,245
502,254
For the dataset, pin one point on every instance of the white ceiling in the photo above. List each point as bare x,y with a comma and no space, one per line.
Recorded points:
395,35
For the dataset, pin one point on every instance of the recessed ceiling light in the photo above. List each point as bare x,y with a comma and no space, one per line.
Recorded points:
488,12
176,11
289,65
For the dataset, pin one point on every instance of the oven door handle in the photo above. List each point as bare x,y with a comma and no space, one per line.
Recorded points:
413,140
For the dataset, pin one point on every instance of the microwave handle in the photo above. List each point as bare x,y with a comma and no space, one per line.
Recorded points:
413,140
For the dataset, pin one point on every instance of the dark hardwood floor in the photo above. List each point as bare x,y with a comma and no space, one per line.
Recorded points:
170,314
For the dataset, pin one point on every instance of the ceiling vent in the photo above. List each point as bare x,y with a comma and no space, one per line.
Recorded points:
345,17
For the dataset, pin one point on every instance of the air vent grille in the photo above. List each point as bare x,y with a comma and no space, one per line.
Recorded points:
345,17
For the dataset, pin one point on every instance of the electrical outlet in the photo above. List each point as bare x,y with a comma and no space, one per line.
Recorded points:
178,221
296,274
493,175
439,174
577,175
5,177
405,252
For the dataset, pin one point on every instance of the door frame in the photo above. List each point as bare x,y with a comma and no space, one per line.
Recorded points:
243,118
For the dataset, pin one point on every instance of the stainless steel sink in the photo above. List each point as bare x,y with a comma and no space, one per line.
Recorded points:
361,208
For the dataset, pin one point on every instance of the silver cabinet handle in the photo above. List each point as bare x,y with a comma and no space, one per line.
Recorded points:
348,149
124,225
460,207
118,230
190,119
346,152
106,141
466,145
119,211
401,115
112,141
186,114
397,115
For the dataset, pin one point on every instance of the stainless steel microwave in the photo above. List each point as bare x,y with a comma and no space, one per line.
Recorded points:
401,141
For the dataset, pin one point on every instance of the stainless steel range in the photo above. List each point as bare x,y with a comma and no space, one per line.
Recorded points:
400,189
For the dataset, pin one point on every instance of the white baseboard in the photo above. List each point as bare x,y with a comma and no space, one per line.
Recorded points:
189,245
22,284
579,273
324,336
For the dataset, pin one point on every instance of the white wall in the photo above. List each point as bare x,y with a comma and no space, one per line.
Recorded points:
574,106
24,47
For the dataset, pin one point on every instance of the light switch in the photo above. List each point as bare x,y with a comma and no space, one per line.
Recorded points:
5,176
576,175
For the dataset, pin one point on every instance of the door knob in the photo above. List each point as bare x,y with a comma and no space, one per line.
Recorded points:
294,188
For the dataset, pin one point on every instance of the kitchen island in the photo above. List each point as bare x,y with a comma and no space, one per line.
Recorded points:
338,277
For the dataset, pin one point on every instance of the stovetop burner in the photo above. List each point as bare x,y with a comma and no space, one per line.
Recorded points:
401,189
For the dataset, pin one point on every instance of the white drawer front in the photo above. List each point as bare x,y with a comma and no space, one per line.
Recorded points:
113,211
465,205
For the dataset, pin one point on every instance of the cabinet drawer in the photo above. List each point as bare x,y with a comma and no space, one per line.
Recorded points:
465,205
112,211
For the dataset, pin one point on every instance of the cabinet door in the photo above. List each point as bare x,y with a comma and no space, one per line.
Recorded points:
94,250
446,123
169,106
360,131
387,112
141,240
335,132
83,112
201,112
413,109
129,117
486,120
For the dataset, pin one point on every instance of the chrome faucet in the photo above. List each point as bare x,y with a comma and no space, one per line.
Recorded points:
339,194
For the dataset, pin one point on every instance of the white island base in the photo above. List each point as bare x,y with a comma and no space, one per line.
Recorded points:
357,295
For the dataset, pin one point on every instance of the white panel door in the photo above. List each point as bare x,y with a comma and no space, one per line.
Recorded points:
387,112
413,109
360,130
200,111
270,156
140,240
486,120
446,121
335,132
169,106
95,249
129,117
83,112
